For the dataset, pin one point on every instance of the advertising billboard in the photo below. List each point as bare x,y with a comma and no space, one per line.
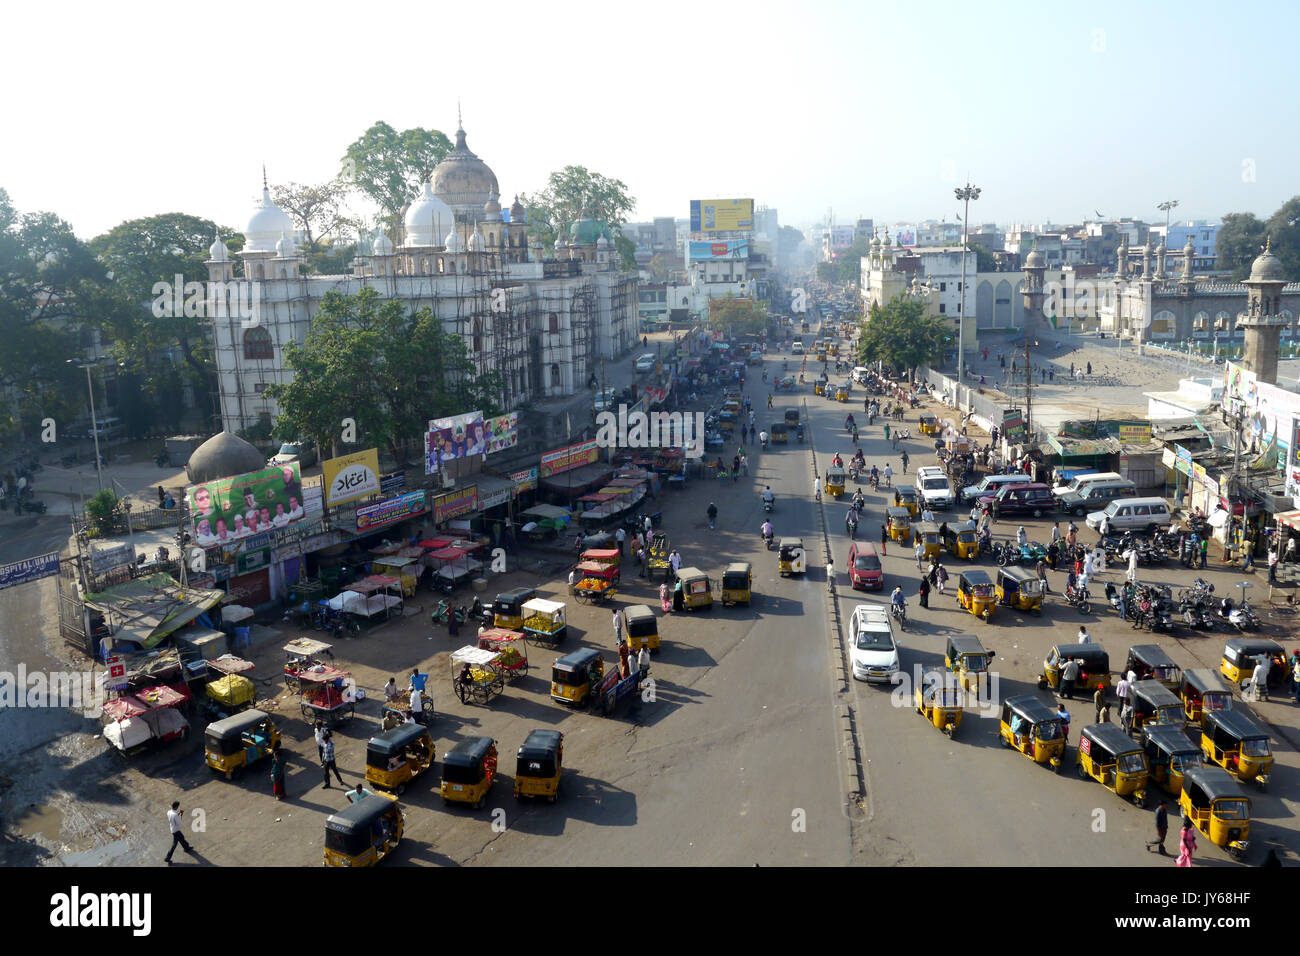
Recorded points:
525,480
351,476
502,432
721,215
450,438
230,509
29,569
390,511
571,456
718,249
453,504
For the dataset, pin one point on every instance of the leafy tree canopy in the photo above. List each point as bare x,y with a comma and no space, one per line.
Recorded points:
572,193
389,167
901,335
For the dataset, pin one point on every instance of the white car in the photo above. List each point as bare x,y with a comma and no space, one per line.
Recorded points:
604,401
873,649
646,362
797,348
933,488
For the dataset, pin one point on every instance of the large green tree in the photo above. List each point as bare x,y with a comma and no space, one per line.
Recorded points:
1241,236
737,316
572,193
319,211
902,336
389,167
1283,230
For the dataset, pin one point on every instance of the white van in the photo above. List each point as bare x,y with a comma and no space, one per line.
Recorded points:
860,374
933,488
797,348
873,650
1078,482
107,429
991,484
1145,515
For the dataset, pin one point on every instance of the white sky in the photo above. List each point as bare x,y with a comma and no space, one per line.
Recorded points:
116,111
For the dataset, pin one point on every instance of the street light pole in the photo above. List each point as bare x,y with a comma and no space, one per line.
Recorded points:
1166,207
94,425
966,194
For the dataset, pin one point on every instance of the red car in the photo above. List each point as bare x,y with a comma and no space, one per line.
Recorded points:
864,567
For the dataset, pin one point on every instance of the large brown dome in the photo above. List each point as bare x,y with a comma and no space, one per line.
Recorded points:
463,181
223,456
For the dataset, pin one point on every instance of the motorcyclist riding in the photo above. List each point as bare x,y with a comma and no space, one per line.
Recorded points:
859,502
875,476
768,497
898,603
851,523
855,434
837,461
768,532
848,423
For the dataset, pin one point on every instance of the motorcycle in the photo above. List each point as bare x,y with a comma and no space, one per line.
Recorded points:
1242,618
1113,596
162,459
1079,599
768,505
441,614
769,540
851,527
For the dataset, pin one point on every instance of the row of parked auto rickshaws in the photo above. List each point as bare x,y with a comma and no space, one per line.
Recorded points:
1189,741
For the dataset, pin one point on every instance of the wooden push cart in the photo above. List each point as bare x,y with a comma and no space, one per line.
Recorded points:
511,648
475,675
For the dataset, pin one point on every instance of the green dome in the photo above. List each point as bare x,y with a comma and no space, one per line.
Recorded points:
587,231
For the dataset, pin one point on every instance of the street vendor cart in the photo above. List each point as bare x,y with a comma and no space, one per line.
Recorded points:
133,721
475,675
511,648
300,654
544,621
326,695
596,582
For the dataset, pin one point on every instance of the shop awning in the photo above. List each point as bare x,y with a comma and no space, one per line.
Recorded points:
1290,519
542,512
579,480
146,610
597,497
434,544
449,554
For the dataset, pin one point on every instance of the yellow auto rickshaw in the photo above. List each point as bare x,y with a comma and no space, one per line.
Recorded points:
508,609
1237,744
1216,806
832,348
975,593
1094,667
1170,754
1020,589
1241,654
695,589
905,497
791,558
819,383
968,661
737,578
929,424
1108,756
575,674
468,770
1151,662
940,703
642,627
898,524
791,416
961,543
1033,728
927,532
398,756
538,765
365,832
1153,703
1202,691
842,392
835,481
779,433
232,744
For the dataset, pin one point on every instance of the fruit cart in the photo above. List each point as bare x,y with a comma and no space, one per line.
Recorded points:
228,695
301,654
475,675
511,648
544,621
326,695
132,721
596,583
657,556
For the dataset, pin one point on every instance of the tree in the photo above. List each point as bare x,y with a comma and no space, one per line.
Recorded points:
319,210
985,261
626,250
737,316
901,335
659,266
1283,236
1241,236
572,193
390,167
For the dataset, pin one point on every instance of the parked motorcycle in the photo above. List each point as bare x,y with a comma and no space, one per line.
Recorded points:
1079,599
442,613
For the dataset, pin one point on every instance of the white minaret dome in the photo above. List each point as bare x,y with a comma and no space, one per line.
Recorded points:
426,219
383,245
218,251
476,242
602,242
265,226
285,247
453,242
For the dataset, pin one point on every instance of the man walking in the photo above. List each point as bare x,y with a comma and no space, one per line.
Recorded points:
1042,575
1099,703
618,628
178,835
620,536
1272,565
1162,828
920,552
1069,674
327,756
1122,690
1205,549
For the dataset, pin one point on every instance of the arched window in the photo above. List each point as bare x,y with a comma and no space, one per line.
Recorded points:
257,344
424,264
555,376
451,267
492,238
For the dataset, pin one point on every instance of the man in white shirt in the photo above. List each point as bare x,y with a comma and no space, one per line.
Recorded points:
417,705
358,793
178,835
675,562
620,536
643,660
1084,637
927,514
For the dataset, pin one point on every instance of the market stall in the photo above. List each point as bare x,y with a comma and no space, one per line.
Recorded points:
454,567
511,648
133,721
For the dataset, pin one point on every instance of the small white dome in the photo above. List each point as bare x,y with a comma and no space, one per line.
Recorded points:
560,243
218,252
602,243
266,225
383,245
426,219
453,242
477,242
285,248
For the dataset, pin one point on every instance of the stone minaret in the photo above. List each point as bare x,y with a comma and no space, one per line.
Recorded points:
1187,280
1262,322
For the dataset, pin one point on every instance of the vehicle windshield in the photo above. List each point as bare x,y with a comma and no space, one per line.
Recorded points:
1215,700
867,562
1048,730
1181,763
874,641
1254,748
288,449
1232,809
569,678
1131,763
929,483
974,662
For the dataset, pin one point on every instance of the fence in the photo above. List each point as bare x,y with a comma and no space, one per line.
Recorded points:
983,407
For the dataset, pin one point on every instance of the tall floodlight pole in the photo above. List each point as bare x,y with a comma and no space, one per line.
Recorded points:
94,422
965,194
1166,207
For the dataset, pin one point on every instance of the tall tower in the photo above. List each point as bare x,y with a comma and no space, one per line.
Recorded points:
1262,322
1035,267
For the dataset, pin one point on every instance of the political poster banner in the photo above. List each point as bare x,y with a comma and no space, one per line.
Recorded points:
447,439
502,432
230,509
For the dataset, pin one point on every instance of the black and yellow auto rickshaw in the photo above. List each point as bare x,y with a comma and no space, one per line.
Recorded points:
575,674
778,433
842,392
898,524
975,593
939,702
927,532
968,661
1094,667
1170,754
929,425
695,589
1033,728
1216,806
791,416
507,610
1237,744
468,770
1153,703
538,765
1020,589
365,832
905,497
1241,654
791,558
642,627
1150,662
819,383
398,756
961,543
737,578
1203,691
835,481
232,744
1117,763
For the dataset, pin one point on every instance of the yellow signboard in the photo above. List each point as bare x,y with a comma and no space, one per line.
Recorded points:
351,476
722,215
1135,433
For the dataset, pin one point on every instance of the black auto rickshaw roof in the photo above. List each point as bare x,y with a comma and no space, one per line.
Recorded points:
975,578
1016,574
1110,738
1215,782
776,425
1153,655
967,644
1156,692
393,742
361,814
540,744
1203,679
1087,652
904,491
1235,724
1032,709
741,568
468,753
516,596
224,729
1171,738
577,659
791,415
1253,646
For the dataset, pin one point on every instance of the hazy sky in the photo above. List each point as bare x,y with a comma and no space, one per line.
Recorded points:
116,111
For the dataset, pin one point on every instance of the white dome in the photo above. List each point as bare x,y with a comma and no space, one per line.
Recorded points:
285,248
266,225
602,243
453,242
426,219
218,251
477,242
383,245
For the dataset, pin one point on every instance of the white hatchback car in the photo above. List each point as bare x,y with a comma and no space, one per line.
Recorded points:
646,362
873,649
